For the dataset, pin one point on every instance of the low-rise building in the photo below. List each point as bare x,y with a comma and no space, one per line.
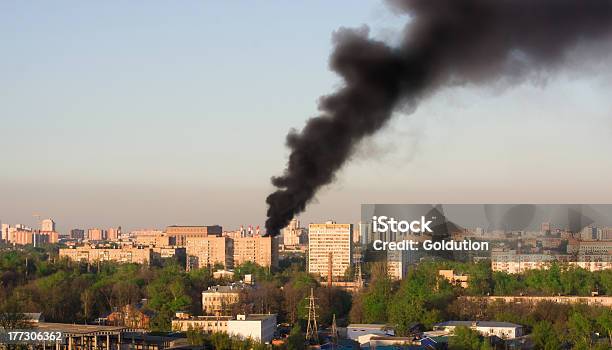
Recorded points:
259,327
208,324
454,279
356,330
218,300
132,316
503,330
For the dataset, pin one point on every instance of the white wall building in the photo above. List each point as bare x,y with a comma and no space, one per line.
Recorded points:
259,327
504,330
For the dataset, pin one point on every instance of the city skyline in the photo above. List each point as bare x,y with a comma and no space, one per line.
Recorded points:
180,118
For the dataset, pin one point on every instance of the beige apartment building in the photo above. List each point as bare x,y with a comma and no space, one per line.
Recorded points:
112,234
150,238
96,234
512,262
261,250
208,251
329,242
125,254
179,234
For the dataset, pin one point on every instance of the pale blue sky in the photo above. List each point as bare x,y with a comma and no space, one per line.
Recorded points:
146,114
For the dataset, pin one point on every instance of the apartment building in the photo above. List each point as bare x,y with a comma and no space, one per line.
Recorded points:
329,243
180,234
258,249
208,251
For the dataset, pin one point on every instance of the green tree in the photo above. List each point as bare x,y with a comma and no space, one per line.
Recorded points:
580,330
295,340
221,341
167,294
544,336
464,339
605,322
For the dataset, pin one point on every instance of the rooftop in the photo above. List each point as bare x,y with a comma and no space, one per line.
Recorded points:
368,325
477,323
79,328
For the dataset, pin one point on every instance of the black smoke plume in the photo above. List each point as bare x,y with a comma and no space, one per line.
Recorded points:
446,42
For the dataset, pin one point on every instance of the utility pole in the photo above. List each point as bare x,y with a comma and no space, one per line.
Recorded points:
334,331
312,330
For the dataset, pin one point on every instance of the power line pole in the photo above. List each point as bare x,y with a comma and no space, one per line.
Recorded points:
334,331
312,330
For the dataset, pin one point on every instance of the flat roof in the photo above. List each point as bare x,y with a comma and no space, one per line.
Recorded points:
79,328
478,324
367,325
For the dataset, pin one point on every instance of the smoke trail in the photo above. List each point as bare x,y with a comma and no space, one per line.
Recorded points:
446,42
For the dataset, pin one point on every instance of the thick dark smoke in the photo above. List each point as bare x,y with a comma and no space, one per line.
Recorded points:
446,42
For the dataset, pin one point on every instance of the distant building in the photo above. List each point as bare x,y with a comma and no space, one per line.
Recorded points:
150,237
592,257
96,234
589,233
364,233
208,251
329,242
112,234
595,248
36,238
5,229
125,254
512,262
180,234
77,233
258,249
170,252
133,316
228,274
218,300
454,279
293,234
503,330
47,225
51,236
599,301
606,234
398,262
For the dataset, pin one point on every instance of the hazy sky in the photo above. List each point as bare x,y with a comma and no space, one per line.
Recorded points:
146,114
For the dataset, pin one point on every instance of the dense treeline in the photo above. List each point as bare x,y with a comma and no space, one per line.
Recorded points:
424,297
35,280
